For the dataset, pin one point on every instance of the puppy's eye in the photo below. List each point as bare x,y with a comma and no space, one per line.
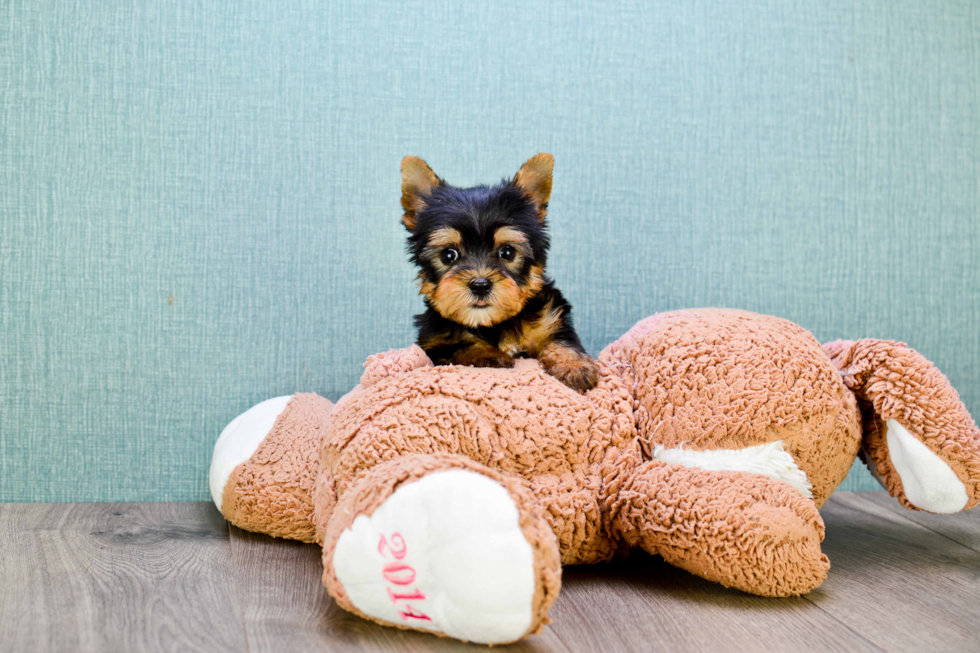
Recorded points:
507,253
449,256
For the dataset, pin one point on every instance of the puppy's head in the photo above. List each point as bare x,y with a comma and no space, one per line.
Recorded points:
480,251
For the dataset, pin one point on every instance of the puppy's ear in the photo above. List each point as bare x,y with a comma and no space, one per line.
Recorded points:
418,180
534,178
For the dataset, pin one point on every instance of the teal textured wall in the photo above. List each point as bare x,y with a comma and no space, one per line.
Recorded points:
199,201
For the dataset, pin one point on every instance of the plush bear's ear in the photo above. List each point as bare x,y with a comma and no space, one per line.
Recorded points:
418,180
392,362
534,178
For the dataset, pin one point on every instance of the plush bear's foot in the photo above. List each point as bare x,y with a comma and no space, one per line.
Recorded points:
265,464
919,440
450,550
239,440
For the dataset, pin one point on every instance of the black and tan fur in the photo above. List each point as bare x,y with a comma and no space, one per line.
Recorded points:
481,254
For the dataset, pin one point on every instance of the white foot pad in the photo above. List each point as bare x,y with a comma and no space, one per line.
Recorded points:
770,459
929,483
445,553
239,440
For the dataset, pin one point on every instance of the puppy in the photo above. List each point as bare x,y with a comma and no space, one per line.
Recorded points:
481,256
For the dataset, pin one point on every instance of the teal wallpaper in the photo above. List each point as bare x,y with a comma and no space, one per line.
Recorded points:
199,200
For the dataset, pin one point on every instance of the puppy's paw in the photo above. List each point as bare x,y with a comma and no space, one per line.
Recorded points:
483,357
574,368
501,360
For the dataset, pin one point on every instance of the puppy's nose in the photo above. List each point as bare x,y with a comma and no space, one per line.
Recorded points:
480,286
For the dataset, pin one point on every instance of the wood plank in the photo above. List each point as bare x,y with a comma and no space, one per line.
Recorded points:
117,577
962,527
903,586
146,577
644,604
287,608
637,604
34,517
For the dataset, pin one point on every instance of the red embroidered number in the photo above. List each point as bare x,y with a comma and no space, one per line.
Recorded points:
405,597
409,611
398,573
398,550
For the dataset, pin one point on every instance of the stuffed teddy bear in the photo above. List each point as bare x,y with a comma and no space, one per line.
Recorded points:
447,498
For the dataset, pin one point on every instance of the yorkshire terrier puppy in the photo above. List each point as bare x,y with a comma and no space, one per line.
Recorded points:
481,255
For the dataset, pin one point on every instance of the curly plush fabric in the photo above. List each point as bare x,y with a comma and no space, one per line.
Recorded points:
722,379
741,530
711,439
272,492
893,381
393,362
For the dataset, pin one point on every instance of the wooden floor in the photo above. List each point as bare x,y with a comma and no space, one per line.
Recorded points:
175,577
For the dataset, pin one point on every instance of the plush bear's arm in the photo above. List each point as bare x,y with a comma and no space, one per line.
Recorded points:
739,529
919,440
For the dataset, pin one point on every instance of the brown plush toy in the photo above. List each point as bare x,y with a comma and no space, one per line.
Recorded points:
446,499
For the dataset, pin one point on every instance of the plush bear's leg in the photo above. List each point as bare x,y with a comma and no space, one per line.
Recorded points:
919,440
440,543
742,530
265,464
